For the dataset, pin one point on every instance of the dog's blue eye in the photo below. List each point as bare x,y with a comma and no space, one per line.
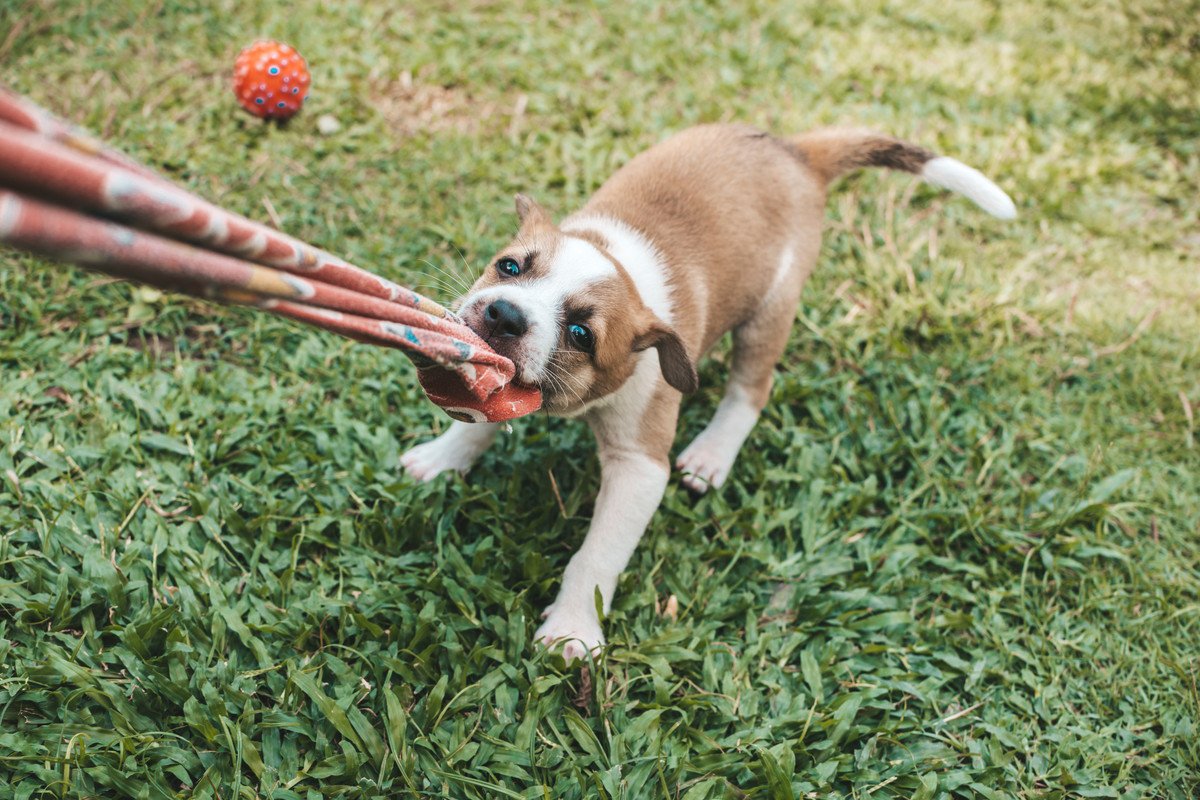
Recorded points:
508,267
581,337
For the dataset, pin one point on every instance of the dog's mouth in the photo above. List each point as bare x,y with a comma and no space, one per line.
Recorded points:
509,347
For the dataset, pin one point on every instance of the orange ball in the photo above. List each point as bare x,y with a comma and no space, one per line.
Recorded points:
271,79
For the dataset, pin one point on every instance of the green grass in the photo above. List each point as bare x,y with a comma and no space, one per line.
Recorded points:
959,557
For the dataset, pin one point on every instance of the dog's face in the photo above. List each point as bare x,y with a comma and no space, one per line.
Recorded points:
568,315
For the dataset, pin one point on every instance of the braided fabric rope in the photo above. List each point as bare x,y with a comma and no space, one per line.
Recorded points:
66,196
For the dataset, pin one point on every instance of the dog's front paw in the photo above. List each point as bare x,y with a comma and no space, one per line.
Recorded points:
578,632
426,461
706,462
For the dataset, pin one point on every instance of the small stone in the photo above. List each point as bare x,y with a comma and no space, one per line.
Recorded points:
671,608
328,124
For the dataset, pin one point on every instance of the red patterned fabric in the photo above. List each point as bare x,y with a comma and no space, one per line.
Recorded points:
65,196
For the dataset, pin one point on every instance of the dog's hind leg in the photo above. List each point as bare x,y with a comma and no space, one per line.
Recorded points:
758,344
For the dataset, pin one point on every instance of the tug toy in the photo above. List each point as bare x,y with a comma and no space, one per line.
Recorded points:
66,196
271,80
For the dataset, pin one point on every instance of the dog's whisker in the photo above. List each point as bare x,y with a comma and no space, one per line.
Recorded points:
462,287
443,293
442,285
561,376
439,283
440,268
442,282
462,258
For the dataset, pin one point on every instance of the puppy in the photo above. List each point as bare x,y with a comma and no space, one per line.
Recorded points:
714,230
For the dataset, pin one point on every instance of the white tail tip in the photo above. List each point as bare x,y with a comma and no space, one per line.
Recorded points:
952,174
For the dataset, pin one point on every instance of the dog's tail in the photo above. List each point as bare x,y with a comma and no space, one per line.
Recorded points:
831,152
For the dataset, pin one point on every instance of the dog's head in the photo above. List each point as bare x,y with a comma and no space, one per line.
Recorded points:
568,315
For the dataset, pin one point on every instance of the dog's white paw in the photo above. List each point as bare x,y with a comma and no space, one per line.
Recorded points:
707,461
426,461
578,632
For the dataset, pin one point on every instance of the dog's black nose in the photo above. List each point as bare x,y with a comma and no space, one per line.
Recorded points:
505,319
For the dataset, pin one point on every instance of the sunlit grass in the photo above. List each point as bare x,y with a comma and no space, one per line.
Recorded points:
958,558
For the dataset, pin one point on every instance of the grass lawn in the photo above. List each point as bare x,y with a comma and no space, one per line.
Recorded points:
960,556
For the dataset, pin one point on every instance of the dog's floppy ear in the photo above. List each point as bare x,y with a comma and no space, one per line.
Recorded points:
531,214
673,359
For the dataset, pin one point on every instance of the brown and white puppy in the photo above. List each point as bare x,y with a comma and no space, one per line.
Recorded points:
715,230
